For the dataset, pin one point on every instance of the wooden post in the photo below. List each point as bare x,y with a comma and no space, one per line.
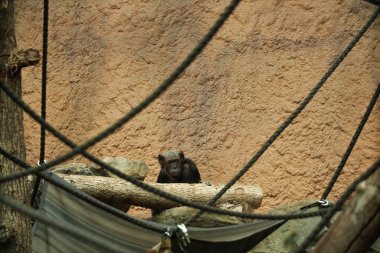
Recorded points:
15,229
357,228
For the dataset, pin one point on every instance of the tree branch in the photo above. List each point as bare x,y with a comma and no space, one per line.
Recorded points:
12,61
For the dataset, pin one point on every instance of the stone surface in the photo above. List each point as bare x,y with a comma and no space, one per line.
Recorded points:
105,57
289,236
135,169
179,215
78,169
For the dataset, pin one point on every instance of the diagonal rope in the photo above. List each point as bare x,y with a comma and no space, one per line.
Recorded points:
138,222
83,196
295,113
45,166
156,93
43,94
352,143
37,120
81,149
338,205
71,230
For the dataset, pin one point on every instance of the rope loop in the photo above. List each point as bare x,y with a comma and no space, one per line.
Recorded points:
39,162
319,203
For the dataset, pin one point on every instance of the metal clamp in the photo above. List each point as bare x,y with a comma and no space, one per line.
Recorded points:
323,203
320,203
168,234
183,237
166,241
39,163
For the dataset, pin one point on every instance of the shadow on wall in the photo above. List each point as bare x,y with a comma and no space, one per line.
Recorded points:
78,55
187,106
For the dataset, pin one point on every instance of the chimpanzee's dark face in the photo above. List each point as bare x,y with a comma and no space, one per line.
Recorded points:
172,163
174,167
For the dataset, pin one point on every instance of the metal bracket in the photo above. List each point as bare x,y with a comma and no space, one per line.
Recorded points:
168,234
39,163
183,237
320,203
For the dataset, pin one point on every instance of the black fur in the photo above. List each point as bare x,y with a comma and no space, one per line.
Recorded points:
175,168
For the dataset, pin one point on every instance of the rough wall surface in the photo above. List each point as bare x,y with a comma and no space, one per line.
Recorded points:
105,57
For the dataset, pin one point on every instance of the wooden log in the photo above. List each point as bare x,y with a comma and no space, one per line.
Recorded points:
12,61
180,214
243,207
357,228
15,228
133,168
117,192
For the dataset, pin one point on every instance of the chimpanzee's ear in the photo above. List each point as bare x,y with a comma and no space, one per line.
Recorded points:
161,160
182,155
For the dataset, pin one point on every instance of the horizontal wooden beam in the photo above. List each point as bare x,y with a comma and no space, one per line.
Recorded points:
118,193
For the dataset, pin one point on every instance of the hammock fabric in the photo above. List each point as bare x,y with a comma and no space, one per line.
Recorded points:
68,209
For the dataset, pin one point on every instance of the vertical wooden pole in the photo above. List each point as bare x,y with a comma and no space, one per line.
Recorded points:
15,229
358,227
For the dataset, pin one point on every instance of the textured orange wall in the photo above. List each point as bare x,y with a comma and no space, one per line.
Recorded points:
105,57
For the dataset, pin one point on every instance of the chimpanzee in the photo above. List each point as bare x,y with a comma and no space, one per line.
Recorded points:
175,168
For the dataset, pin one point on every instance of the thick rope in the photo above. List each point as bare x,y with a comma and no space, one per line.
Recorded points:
46,166
83,235
352,143
81,195
81,149
43,94
295,113
191,57
338,206
136,182
73,231
138,222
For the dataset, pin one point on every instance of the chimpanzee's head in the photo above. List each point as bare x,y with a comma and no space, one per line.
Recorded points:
172,162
